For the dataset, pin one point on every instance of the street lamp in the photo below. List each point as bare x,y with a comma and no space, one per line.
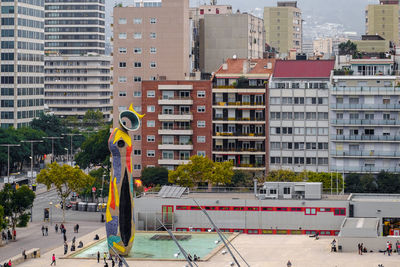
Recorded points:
8,158
72,135
51,219
31,157
52,138
67,153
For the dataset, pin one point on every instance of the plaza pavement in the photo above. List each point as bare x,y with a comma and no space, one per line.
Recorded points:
258,250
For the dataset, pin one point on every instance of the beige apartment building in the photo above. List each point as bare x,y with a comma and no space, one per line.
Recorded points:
229,35
283,27
383,19
151,42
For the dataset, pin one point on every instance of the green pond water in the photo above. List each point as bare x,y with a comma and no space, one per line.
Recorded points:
144,247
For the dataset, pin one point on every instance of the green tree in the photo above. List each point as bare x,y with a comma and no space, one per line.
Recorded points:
16,202
388,182
283,176
353,183
94,118
368,184
95,150
2,223
328,180
241,179
97,174
65,179
349,48
202,170
154,176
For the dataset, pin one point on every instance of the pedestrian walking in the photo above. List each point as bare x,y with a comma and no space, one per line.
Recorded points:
9,263
46,230
361,248
77,228
65,238
112,262
388,248
120,263
42,230
398,247
105,256
65,248
53,260
98,256
56,228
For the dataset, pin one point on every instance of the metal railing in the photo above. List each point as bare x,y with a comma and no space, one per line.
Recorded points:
366,169
366,122
366,89
365,137
365,106
365,153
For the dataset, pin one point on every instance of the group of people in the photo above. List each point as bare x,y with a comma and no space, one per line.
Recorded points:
194,258
114,260
45,230
7,264
389,247
361,248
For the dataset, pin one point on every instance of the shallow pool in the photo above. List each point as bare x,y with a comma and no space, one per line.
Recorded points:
144,247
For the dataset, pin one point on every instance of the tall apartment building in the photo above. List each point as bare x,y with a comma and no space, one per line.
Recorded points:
195,15
151,42
229,35
298,115
77,73
383,19
239,113
364,114
177,124
22,38
283,27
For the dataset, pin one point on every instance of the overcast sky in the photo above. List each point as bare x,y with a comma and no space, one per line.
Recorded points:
349,13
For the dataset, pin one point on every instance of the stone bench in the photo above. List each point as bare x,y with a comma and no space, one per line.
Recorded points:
30,254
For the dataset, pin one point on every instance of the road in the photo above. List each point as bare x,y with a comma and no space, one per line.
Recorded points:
31,236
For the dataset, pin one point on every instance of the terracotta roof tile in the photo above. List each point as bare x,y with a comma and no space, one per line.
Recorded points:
257,66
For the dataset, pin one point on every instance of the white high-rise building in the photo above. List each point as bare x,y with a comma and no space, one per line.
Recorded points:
22,35
77,73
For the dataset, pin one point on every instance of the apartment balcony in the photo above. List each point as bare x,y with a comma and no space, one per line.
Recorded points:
238,104
175,131
365,154
173,161
238,151
238,135
363,169
365,138
176,101
176,146
364,90
238,120
176,117
366,122
250,167
371,107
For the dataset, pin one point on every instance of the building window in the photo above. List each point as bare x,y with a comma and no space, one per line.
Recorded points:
201,109
122,64
201,153
137,50
122,79
153,78
137,21
137,167
137,64
286,190
151,124
137,35
137,137
201,94
138,108
151,93
151,153
121,108
201,124
122,21
168,154
151,108
153,35
151,138
122,35
122,93
201,139
137,152
122,50
137,79
137,94
153,50
153,20
153,65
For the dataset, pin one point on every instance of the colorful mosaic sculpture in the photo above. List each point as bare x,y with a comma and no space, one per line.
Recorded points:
120,219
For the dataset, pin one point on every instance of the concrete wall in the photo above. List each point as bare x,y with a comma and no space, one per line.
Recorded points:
349,244
245,219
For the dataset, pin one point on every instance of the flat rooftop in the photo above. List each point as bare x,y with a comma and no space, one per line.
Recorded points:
367,223
375,197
